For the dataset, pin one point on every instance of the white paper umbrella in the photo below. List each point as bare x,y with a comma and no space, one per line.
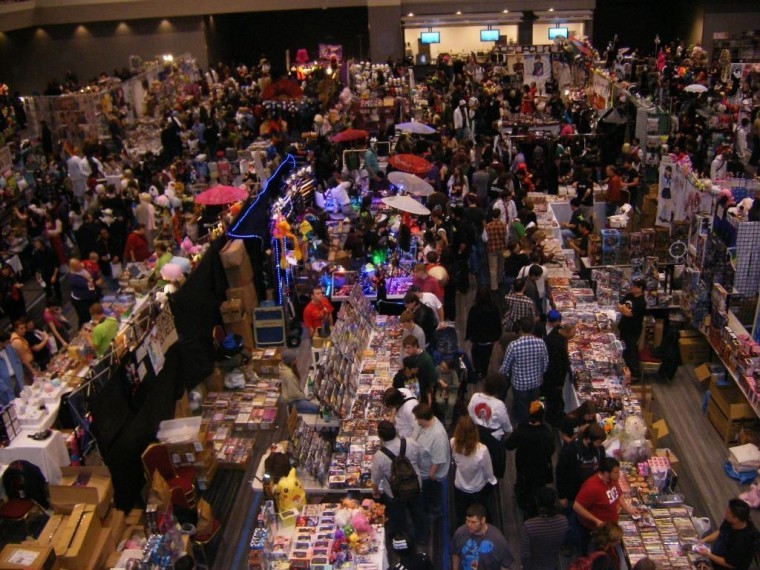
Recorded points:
695,88
406,204
410,183
416,128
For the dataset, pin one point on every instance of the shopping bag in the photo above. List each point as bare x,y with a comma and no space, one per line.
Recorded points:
570,396
160,493
116,270
205,517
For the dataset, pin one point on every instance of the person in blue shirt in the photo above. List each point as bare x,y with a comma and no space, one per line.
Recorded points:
11,371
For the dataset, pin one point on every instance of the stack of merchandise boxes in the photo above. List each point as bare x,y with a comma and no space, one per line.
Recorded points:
239,272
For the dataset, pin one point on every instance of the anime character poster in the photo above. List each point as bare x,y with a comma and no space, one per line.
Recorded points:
538,70
665,195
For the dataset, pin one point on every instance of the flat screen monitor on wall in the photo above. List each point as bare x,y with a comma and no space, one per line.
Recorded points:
489,35
430,37
555,33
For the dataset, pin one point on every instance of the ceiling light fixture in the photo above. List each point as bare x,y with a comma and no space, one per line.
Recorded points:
551,9
505,11
459,12
411,14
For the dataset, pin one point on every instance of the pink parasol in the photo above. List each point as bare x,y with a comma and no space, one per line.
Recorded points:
350,135
221,195
410,163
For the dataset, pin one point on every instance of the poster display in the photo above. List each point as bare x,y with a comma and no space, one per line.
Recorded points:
538,70
678,198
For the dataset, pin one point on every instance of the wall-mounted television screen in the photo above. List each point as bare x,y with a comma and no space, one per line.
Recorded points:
489,35
555,33
430,37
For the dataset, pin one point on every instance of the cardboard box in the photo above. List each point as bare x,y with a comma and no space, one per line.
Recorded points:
135,517
232,311
233,254
694,350
703,374
727,428
214,382
86,531
48,534
657,431
86,485
28,557
643,393
731,401
115,523
239,276
244,328
246,293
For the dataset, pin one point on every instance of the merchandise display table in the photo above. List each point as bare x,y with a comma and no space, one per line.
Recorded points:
49,454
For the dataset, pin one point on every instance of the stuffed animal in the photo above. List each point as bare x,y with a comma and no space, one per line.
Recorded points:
290,493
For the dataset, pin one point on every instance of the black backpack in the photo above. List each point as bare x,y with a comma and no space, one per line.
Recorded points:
405,484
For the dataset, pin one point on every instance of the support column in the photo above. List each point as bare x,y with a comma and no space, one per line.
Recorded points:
525,29
385,35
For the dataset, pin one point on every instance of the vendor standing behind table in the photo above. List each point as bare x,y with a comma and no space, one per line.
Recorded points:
318,313
614,191
632,308
584,189
104,330
733,544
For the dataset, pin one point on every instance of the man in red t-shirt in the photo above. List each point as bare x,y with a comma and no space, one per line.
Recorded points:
599,499
318,312
427,283
137,247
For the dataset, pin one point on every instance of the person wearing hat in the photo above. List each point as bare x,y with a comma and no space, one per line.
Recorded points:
463,121
553,320
632,308
533,444
290,382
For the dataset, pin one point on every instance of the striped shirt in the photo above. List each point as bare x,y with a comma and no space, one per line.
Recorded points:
540,541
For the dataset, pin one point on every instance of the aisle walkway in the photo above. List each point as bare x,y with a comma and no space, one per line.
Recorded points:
698,446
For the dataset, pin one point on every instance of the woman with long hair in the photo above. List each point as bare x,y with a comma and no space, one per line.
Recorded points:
474,481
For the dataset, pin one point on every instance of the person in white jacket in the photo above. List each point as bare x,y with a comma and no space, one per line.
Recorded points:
463,121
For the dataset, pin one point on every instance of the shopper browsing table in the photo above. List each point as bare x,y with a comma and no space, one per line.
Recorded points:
435,458
402,401
489,413
476,544
396,509
524,365
632,309
614,191
318,313
600,499
732,545
427,374
104,330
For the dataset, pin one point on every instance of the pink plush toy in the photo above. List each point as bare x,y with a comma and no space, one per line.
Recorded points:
360,523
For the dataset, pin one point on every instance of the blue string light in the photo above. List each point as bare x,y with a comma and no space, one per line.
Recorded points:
289,160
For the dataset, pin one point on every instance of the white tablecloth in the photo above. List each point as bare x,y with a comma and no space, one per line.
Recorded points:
49,454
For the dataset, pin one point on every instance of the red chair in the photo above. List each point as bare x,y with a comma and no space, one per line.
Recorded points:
156,457
26,489
201,540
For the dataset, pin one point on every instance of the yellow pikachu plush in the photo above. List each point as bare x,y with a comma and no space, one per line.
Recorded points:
290,493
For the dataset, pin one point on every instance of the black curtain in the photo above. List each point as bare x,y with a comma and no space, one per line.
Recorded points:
196,311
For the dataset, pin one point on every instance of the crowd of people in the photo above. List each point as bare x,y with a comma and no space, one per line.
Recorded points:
482,229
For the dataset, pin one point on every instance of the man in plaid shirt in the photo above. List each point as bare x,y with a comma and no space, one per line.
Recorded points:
524,364
519,306
496,236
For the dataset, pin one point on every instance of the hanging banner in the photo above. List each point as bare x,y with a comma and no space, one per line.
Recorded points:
516,66
327,51
538,70
166,332
600,91
155,352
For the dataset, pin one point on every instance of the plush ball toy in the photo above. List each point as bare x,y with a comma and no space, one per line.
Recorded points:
360,522
171,272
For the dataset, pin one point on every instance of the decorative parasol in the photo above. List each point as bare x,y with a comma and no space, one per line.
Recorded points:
416,128
283,89
221,195
410,183
695,88
350,135
410,163
406,204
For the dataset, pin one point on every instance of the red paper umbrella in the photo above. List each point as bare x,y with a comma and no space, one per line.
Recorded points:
410,163
282,89
221,195
350,135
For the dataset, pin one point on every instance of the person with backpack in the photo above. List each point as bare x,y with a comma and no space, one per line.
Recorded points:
402,401
578,460
735,542
395,476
